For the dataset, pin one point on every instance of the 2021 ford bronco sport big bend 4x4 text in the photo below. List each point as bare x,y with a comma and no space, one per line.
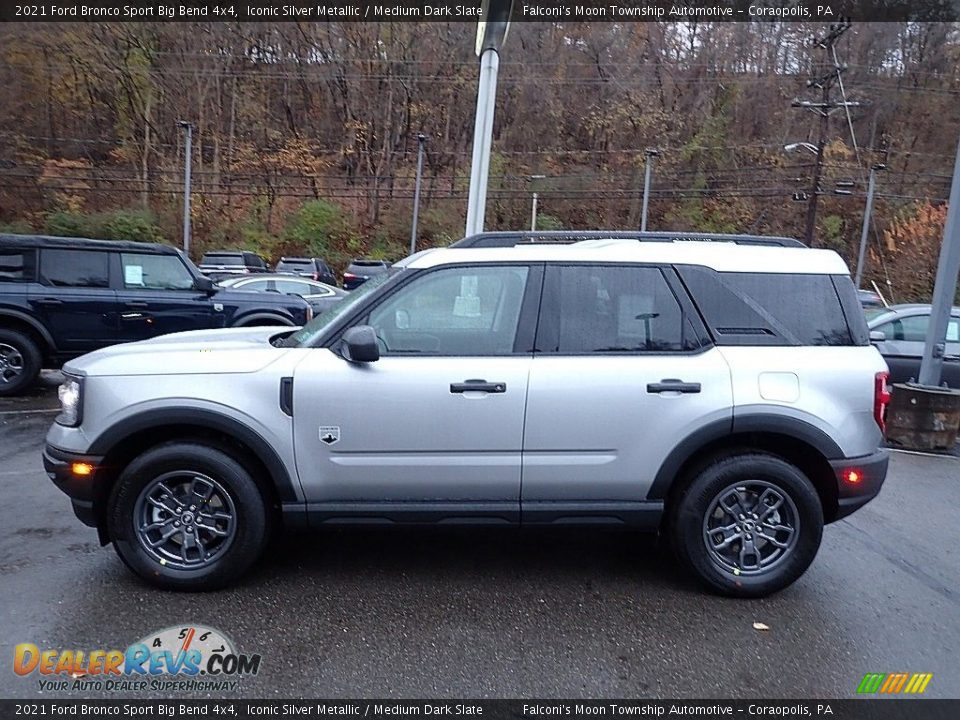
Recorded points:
726,395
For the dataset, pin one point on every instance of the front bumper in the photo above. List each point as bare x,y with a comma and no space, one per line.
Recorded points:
79,488
870,472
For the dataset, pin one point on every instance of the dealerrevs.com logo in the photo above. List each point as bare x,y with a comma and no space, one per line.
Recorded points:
187,658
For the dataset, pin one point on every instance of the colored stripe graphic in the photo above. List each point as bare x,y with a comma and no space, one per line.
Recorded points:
871,682
894,683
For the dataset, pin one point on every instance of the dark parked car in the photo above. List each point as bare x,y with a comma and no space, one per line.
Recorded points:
222,263
359,271
320,295
313,268
900,333
63,297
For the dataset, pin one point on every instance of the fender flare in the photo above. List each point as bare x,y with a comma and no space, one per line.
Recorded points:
33,323
275,319
751,422
165,417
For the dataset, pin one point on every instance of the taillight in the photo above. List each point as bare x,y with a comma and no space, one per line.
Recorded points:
316,276
881,398
350,276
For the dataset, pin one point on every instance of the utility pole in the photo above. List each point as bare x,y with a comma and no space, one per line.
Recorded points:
867,213
945,288
650,154
187,163
824,108
421,141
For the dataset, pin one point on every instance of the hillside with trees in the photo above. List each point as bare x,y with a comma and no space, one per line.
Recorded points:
306,134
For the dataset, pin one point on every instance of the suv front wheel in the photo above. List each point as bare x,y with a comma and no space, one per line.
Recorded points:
187,516
19,362
748,524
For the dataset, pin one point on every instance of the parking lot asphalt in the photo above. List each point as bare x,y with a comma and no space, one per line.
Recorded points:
460,613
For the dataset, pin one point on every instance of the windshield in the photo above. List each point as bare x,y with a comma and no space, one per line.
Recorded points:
313,330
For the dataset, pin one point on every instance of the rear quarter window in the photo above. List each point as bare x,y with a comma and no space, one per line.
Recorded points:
776,308
17,265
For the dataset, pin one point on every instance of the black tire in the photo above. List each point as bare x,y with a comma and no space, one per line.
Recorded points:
759,479
20,361
242,499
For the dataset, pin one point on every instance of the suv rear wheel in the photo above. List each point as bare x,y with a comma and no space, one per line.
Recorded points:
186,516
19,362
748,525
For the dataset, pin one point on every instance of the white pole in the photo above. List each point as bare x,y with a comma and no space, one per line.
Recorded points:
533,213
944,289
865,232
482,140
646,191
421,138
187,162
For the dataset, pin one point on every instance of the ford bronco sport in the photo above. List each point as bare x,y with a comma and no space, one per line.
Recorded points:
725,395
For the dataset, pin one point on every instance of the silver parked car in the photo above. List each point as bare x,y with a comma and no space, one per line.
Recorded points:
321,296
900,332
725,395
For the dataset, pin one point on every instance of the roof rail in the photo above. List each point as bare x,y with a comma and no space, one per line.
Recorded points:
510,238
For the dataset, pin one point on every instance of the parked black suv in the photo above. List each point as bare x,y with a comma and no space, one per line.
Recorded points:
222,263
313,268
359,271
63,297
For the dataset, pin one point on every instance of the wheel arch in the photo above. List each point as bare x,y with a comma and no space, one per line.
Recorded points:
273,318
798,442
122,442
16,320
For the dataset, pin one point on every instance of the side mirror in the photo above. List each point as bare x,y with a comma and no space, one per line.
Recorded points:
360,344
878,336
203,284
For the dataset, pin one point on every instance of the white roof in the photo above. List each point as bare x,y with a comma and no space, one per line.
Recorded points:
721,256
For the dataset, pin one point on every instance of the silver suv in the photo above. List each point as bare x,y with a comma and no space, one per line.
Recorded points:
726,396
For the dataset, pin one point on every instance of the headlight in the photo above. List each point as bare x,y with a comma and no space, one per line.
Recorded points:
71,402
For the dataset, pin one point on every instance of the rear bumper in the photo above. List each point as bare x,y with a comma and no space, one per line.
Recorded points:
79,488
870,470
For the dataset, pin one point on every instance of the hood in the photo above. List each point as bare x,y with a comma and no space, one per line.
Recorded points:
232,350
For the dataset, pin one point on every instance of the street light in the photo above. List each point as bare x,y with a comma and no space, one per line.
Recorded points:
491,32
187,162
533,210
650,154
421,141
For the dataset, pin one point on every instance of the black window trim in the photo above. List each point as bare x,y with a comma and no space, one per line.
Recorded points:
689,311
526,322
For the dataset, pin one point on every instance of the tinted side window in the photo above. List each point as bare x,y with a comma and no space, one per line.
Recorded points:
768,308
17,265
456,311
618,309
74,268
